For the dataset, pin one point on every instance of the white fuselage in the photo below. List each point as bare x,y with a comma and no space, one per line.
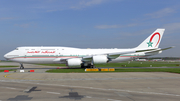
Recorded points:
55,54
75,57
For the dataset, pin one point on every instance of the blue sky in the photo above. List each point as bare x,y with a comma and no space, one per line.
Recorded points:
88,23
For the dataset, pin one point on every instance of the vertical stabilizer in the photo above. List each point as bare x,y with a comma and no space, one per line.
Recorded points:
153,40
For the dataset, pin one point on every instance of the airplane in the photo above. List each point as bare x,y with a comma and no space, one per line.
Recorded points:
86,58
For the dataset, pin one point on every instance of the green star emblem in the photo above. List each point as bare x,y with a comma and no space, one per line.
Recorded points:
149,43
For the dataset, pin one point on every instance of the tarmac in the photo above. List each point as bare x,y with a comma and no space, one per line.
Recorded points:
42,86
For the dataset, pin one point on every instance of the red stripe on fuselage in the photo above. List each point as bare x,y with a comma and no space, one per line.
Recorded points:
44,57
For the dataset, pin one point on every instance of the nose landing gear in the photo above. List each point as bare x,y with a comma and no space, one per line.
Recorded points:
21,67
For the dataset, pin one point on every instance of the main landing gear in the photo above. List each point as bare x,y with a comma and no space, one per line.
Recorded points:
21,67
92,66
88,66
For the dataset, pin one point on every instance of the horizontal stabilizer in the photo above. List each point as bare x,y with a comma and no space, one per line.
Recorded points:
168,48
158,50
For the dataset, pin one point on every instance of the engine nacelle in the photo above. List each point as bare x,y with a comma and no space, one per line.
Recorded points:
100,59
74,62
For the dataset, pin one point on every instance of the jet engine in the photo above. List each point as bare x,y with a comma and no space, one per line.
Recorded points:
74,62
100,59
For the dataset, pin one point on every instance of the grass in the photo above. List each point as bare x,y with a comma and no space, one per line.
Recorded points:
131,64
125,64
7,66
140,64
66,70
9,70
171,70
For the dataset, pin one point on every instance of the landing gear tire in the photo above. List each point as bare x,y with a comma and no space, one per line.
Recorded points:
89,66
21,67
83,66
92,66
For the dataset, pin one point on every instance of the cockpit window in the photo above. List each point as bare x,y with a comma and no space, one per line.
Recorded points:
16,49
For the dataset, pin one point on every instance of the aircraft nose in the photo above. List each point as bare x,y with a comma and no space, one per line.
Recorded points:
11,55
6,56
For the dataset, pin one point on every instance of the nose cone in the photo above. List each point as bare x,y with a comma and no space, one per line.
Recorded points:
6,56
9,55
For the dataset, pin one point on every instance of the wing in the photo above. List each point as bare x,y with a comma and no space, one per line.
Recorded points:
108,55
115,55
